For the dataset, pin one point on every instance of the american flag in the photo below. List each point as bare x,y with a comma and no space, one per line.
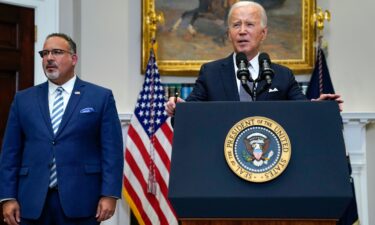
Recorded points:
148,153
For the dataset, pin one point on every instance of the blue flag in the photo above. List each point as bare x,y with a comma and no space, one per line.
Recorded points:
320,82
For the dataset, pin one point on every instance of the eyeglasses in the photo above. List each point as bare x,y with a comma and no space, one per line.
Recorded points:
54,52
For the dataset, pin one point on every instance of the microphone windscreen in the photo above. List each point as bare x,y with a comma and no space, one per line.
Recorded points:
264,56
241,57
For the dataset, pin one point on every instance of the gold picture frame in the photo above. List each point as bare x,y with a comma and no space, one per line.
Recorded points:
179,51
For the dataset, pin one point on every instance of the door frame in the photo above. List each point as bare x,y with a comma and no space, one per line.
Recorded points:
46,21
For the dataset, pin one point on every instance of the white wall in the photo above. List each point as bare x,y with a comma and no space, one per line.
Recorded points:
110,48
70,23
351,36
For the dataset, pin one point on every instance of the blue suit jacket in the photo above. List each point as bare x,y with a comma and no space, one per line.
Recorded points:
217,82
88,149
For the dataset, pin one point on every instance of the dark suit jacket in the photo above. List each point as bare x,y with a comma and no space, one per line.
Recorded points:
88,149
217,82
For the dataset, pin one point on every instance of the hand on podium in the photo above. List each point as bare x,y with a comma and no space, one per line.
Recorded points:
171,105
334,97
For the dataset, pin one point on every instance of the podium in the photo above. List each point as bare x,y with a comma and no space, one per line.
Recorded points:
314,189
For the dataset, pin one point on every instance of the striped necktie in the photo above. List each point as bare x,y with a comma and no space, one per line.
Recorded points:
56,116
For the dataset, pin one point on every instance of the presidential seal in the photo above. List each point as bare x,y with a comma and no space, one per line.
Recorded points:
257,149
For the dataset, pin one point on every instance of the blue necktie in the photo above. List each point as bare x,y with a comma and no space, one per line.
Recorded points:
56,116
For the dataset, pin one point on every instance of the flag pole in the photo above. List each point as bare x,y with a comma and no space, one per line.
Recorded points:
319,17
153,18
151,182
148,143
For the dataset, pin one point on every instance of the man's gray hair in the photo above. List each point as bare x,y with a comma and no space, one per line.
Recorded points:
72,44
263,21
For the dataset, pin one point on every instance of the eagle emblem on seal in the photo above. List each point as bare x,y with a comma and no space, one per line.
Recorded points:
257,149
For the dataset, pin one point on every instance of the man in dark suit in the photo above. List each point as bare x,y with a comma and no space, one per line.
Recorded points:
62,155
247,29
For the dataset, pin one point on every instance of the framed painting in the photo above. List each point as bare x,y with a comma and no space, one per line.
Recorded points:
195,32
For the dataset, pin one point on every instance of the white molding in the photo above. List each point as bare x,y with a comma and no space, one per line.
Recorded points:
355,141
359,117
47,21
125,117
125,120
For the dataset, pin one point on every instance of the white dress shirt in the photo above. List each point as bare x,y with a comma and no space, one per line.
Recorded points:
68,88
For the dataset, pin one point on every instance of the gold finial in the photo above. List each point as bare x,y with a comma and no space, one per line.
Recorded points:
319,16
152,19
318,19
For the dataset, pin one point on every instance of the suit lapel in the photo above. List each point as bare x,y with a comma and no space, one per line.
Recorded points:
229,79
75,97
44,106
261,90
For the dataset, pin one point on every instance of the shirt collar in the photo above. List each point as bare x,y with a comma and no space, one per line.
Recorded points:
67,86
255,62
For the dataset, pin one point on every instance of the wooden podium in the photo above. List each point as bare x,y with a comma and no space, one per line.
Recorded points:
314,189
258,222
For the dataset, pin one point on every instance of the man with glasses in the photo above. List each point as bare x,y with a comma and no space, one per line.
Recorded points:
62,154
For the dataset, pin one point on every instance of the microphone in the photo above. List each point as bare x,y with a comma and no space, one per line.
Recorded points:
266,72
243,73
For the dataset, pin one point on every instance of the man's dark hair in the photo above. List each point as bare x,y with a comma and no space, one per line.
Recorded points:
72,44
